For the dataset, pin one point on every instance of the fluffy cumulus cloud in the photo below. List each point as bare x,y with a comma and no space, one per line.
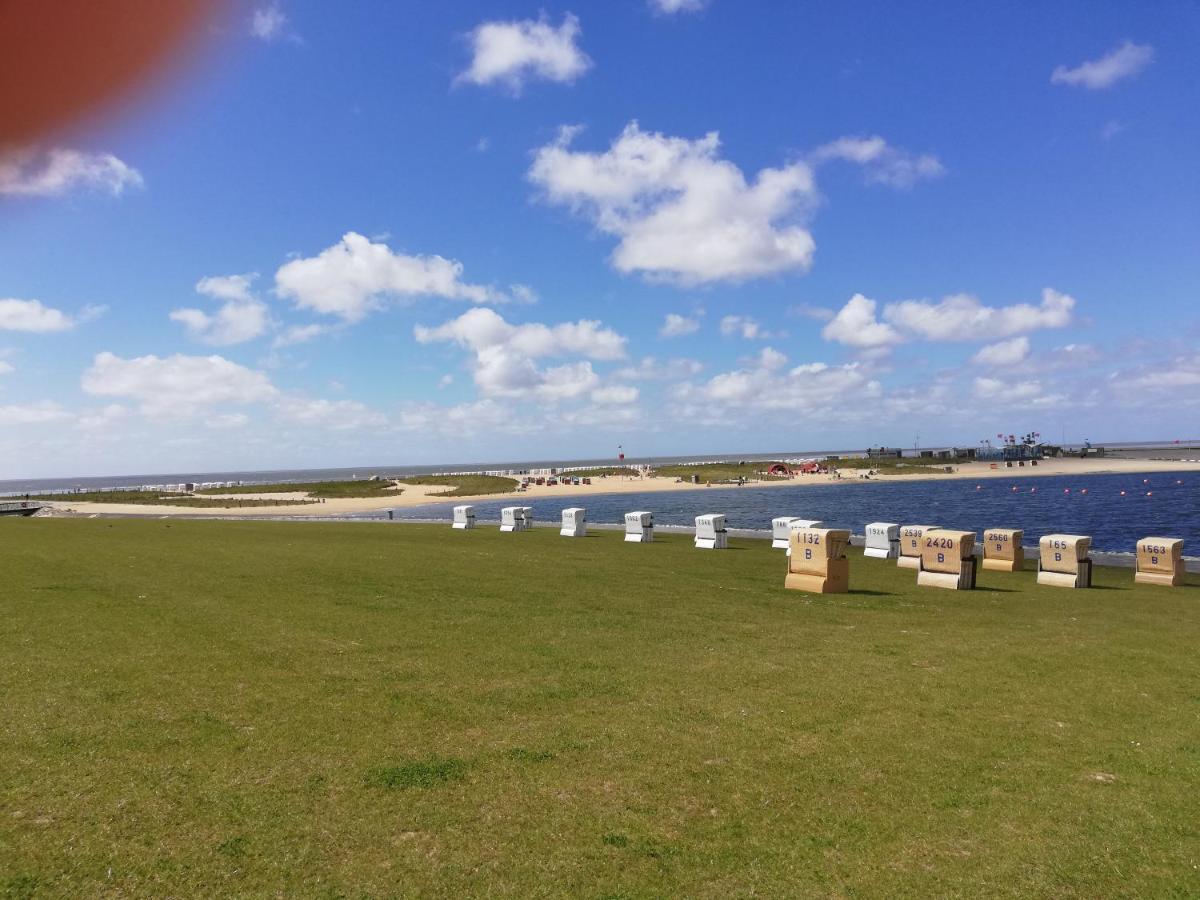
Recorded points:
269,22
36,173
1179,378
650,369
675,325
670,7
962,317
1027,394
615,395
1003,353
882,163
855,325
33,413
959,317
357,276
505,354
745,327
512,53
176,385
1123,62
241,316
31,315
833,392
331,415
679,211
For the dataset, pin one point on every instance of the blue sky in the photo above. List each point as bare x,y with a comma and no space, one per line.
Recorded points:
407,233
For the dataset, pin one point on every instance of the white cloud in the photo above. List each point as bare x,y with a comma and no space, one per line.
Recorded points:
482,328
334,415
103,418
34,173
670,7
615,395
33,413
882,163
1182,372
176,385
299,334
771,359
227,421
1123,62
1003,353
512,53
1007,392
31,315
812,388
961,317
679,211
242,316
354,277
745,327
505,353
650,369
855,325
6,368
268,23
478,417
675,325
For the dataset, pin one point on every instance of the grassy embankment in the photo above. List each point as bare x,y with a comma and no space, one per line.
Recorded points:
606,471
276,709
466,485
719,472
894,466
328,490
157,498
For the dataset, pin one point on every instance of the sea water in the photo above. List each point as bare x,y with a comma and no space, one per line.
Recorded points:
1116,510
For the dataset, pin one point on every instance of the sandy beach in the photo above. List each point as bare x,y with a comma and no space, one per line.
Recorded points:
418,495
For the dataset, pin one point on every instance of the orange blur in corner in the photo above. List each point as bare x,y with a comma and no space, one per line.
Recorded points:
62,61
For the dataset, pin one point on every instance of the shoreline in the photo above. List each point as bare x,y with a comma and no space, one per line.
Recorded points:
424,495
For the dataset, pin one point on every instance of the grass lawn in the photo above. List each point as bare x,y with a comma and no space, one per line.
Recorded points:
893,466
202,709
158,498
326,489
609,471
466,485
751,471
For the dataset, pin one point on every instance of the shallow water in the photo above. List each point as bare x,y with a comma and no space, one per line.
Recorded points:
1040,505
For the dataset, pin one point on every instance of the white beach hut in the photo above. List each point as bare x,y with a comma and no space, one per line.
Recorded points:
639,527
512,518
711,533
574,522
883,540
464,517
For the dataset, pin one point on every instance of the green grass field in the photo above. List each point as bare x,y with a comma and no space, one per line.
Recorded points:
714,472
326,489
203,709
158,498
467,485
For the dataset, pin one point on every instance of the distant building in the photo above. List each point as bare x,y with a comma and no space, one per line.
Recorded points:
883,453
1010,453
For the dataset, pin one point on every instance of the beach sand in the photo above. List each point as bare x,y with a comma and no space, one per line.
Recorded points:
418,495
